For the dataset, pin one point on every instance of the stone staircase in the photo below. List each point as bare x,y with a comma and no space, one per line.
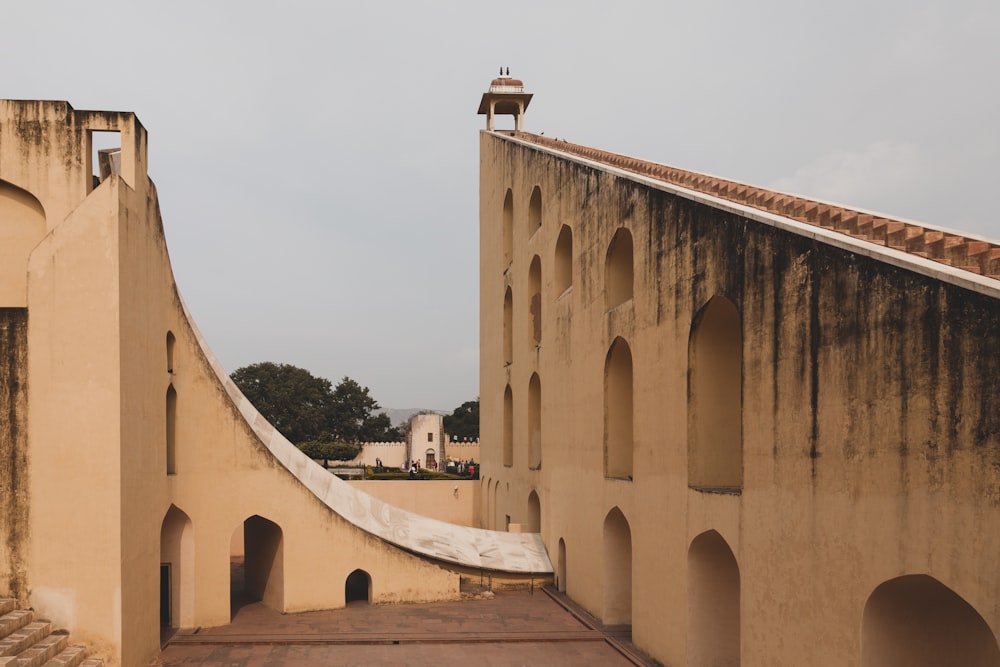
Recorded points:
969,254
27,642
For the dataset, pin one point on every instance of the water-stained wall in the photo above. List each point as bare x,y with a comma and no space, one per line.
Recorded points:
13,450
865,397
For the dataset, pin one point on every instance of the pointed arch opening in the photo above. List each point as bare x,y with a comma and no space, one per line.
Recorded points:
257,563
508,228
618,270
713,602
496,505
176,570
24,227
617,569
535,302
535,211
508,328
618,411
358,587
715,397
485,484
534,513
563,265
171,430
917,621
534,422
561,567
170,351
508,427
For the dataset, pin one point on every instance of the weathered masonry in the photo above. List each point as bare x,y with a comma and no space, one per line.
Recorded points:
758,429
132,468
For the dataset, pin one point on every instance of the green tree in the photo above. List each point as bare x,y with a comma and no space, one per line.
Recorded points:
309,409
292,399
357,417
464,421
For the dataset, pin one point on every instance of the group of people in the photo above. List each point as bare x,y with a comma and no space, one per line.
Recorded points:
465,468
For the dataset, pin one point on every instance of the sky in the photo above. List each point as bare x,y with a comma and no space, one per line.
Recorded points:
317,162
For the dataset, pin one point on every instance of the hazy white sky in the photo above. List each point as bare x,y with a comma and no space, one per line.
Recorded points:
317,162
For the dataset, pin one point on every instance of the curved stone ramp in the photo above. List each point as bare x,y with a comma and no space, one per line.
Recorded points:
521,553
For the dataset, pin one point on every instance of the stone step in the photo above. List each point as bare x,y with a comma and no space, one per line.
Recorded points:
41,651
21,639
14,621
25,642
71,656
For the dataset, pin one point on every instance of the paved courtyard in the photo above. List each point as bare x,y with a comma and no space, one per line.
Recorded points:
513,628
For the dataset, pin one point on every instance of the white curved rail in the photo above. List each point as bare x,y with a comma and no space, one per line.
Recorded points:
461,545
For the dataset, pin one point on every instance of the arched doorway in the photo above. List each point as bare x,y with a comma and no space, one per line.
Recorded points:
257,564
176,570
917,621
430,459
713,602
358,587
617,569
534,513
24,228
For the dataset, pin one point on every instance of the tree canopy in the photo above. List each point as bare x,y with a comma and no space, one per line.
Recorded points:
463,422
306,408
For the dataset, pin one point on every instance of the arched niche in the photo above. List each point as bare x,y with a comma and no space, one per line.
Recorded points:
171,342
715,397
22,227
171,430
535,300
508,328
713,602
508,228
535,211
561,567
917,621
508,427
534,422
618,411
618,269
534,513
563,265
617,609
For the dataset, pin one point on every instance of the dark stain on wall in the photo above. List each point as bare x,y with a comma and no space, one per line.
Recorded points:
865,360
13,452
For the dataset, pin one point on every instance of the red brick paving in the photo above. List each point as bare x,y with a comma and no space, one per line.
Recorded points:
514,628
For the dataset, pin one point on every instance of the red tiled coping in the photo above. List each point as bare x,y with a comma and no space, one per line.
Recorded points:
969,254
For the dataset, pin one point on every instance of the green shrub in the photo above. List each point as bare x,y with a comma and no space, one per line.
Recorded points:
325,451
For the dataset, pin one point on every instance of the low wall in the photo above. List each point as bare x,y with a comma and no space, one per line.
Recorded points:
454,501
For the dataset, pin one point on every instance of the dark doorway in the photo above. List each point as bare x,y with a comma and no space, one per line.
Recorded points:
358,587
165,595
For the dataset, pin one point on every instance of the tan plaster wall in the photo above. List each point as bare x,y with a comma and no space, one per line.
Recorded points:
871,435
101,300
454,501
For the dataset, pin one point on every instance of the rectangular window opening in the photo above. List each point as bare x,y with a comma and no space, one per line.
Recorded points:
105,155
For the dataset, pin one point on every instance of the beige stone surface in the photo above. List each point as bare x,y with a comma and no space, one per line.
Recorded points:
865,405
140,458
